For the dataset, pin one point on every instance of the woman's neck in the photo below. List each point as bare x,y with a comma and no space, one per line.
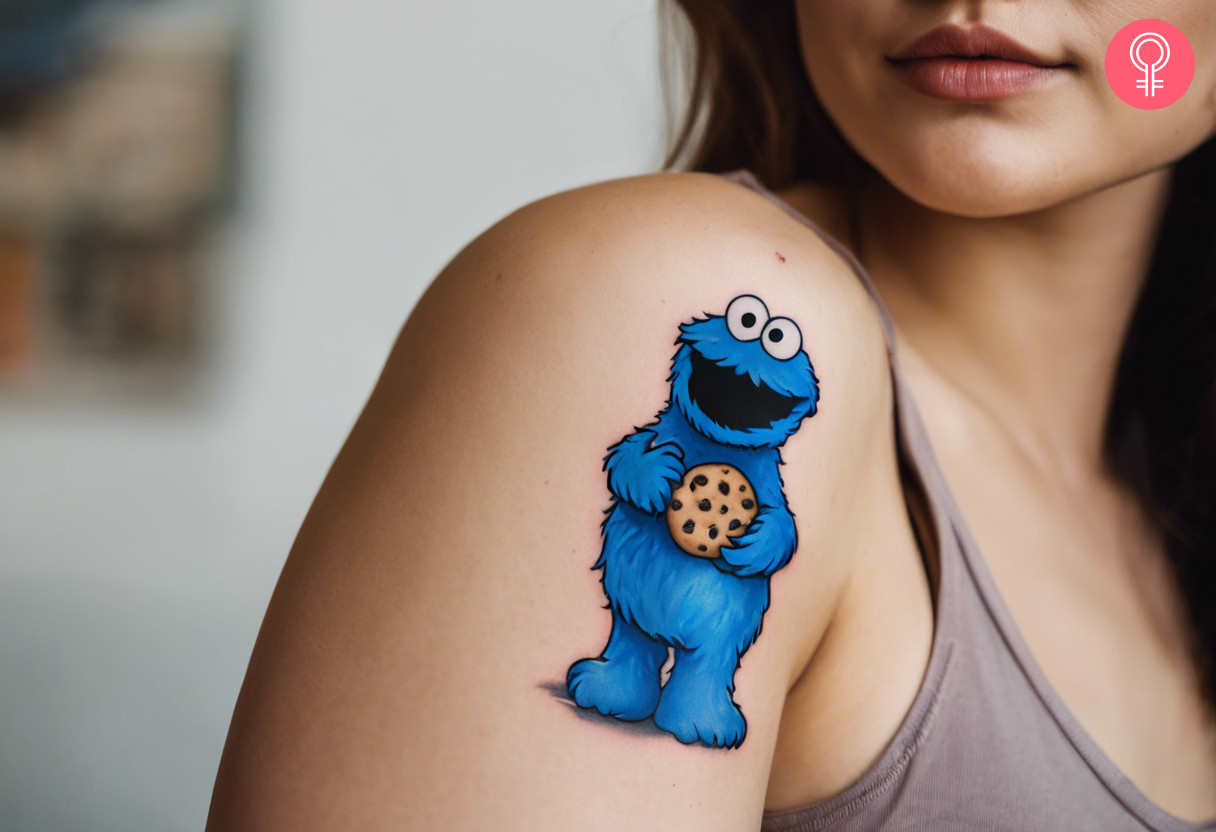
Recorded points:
1025,314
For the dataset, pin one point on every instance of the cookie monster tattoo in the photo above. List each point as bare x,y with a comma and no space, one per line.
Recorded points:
697,525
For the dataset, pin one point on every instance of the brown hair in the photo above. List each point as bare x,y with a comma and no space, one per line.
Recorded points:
750,102
751,105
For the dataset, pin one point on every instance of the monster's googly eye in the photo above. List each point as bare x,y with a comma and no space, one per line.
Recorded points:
745,317
781,338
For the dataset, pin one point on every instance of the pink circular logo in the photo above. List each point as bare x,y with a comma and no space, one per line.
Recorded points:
1150,64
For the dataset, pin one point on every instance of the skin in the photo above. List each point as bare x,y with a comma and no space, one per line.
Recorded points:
1010,240
410,671
441,583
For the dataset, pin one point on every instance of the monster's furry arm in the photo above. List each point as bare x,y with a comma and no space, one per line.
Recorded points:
766,547
410,671
641,474
771,539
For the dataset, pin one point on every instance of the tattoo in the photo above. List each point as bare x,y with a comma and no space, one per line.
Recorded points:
698,523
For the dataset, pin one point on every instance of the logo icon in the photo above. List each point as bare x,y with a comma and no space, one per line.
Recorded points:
1150,83
1149,64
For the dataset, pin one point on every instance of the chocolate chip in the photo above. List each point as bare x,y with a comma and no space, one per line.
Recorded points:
701,479
713,532
676,505
723,509
748,504
688,526
723,487
692,486
734,524
725,470
743,488
702,548
704,505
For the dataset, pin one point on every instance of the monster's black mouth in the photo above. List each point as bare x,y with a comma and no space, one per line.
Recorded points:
734,400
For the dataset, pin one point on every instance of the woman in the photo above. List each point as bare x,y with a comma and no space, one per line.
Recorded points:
987,298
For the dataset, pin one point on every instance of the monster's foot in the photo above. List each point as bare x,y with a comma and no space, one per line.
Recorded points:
614,688
696,713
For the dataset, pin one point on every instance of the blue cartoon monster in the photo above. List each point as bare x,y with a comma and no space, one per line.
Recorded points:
741,385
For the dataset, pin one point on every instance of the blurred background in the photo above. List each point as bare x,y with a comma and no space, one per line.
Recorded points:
215,215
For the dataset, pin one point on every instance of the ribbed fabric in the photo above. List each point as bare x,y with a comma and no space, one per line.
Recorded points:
987,743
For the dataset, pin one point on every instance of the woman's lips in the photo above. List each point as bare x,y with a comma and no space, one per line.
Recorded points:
971,79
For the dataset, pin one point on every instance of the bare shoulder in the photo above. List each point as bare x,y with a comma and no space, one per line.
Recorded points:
693,218
629,257
507,602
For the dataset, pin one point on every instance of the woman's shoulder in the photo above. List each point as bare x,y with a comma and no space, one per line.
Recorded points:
610,270
582,293
687,204
440,585
675,235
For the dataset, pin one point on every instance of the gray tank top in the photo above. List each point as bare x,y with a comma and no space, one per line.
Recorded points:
987,743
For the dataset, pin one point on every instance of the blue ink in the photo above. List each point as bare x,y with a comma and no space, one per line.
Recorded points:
740,386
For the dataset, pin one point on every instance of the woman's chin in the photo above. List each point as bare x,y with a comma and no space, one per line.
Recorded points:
970,185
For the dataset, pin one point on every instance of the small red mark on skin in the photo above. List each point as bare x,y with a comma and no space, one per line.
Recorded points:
780,257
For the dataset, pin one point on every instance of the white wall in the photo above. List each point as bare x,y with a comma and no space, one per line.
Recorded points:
139,543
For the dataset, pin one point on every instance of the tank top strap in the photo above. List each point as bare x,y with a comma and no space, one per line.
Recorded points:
1000,694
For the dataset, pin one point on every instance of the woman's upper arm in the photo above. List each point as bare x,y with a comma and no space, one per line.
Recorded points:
411,672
